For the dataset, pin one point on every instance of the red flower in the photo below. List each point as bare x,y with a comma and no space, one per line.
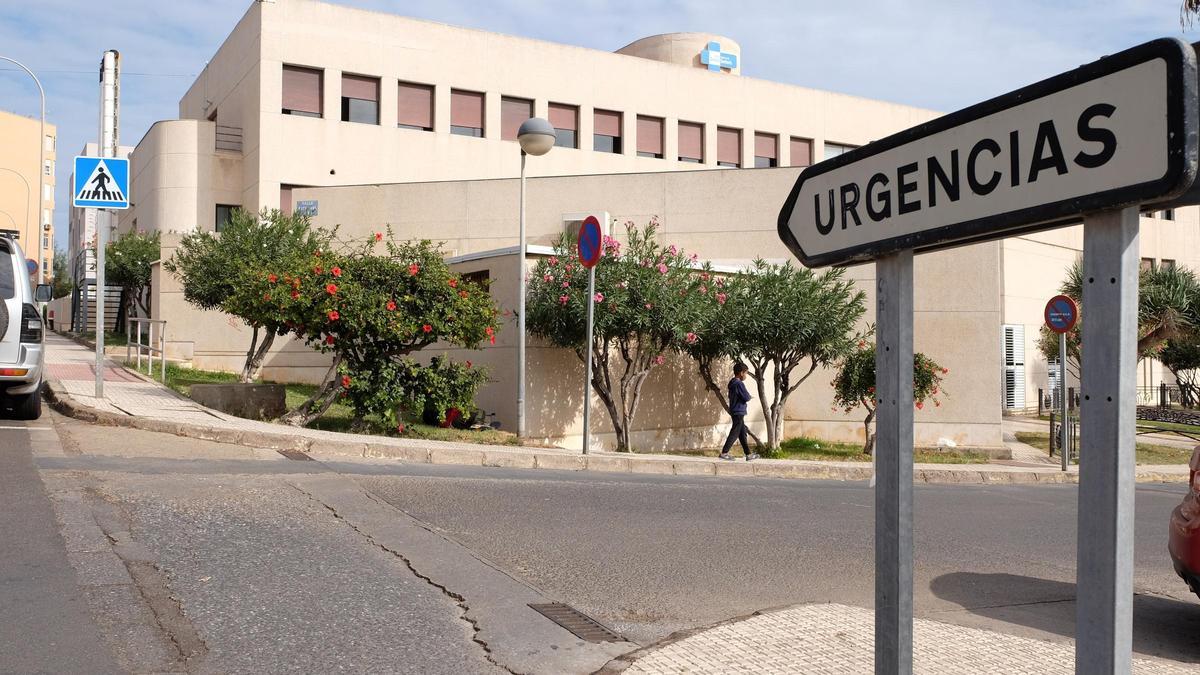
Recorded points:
295,295
462,294
400,428
317,269
468,364
454,283
427,328
492,339
337,271
331,289
413,270
945,371
317,253
345,381
333,315
272,278
920,405
378,236
489,330
328,339
266,296
391,306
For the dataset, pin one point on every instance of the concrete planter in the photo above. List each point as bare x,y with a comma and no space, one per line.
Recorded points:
251,401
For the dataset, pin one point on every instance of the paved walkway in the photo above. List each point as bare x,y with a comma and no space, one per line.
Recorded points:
132,400
829,639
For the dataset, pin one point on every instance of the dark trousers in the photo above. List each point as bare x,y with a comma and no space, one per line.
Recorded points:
737,433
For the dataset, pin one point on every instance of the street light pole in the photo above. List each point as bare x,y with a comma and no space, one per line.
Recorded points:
28,195
536,137
41,169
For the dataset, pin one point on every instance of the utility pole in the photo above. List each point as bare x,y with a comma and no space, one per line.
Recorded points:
110,92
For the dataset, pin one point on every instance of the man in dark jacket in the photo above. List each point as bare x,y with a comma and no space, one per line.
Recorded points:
738,398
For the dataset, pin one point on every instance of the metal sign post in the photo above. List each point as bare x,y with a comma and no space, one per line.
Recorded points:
590,247
1097,140
1061,314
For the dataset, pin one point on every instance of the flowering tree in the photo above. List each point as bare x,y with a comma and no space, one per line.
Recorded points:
220,270
854,385
784,322
646,306
127,264
370,310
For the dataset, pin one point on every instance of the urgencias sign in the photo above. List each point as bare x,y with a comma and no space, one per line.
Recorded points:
1115,132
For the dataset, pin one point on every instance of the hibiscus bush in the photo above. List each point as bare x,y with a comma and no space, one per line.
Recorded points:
648,299
371,305
854,385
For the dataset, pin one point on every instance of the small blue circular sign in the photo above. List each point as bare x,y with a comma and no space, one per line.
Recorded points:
590,242
31,265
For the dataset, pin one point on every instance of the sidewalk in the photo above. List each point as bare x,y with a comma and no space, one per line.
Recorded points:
829,639
134,401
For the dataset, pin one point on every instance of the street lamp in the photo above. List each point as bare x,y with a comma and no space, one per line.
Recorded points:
41,169
536,137
28,195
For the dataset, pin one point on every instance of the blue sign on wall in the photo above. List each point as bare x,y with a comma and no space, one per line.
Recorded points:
101,182
715,59
306,207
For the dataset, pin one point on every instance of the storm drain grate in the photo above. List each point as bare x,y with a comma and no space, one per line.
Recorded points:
295,454
577,622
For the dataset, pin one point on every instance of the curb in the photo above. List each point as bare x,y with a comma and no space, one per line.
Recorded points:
441,452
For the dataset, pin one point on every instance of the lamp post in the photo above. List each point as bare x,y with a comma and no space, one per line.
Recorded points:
28,195
536,137
41,169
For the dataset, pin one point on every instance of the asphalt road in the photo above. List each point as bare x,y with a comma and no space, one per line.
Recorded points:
380,566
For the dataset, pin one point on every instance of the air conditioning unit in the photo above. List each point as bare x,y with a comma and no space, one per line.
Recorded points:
46,227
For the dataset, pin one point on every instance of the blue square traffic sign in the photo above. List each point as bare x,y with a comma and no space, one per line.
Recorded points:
101,182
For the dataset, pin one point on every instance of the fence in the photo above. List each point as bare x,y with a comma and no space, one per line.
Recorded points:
1168,395
1072,435
135,340
1048,400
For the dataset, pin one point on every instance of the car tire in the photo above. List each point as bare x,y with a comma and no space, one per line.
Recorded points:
29,407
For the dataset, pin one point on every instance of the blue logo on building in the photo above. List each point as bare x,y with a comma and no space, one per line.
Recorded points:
715,59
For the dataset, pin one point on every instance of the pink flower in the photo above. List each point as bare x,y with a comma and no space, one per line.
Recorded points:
566,284
695,256
468,364
649,306
623,285
659,360
548,278
562,299
317,269
692,338
704,290
413,270
599,297
662,268
945,371
336,271
454,283
920,405
721,298
391,306
704,276
672,249
720,281
553,261
331,289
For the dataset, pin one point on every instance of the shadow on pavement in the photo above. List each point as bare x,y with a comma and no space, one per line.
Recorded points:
1162,627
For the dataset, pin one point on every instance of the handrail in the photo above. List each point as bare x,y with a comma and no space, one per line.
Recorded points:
148,347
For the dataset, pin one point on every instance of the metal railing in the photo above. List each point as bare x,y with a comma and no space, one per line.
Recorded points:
135,340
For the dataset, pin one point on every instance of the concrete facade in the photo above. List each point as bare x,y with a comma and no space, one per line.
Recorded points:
22,210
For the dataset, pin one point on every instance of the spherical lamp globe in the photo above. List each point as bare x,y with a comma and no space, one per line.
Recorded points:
536,136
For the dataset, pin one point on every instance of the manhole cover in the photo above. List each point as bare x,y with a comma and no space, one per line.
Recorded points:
577,622
295,454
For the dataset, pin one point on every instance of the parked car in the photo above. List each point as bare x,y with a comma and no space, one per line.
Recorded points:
21,334
1184,541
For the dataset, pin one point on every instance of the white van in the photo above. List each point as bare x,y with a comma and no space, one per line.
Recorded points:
22,357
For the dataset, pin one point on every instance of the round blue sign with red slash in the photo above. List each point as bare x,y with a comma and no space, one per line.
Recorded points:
1061,314
591,242
31,265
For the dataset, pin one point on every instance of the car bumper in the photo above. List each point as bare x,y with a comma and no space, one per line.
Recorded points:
1184,546
31,361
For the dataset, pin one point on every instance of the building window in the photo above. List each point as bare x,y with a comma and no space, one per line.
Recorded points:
47,193
414,106
45,266
466,113
1146,265
49,144
1169,214
225,213
480,278
360,99
691,142
1014,366
729,147
801,151
302,91
48,168
835,149
513,113
766,150
649,136
1167,264
606,132
46,242
45,216
565,120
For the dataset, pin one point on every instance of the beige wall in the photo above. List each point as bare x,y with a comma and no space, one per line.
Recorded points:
21,207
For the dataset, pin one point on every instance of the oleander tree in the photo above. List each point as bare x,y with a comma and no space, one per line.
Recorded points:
784,322
648,297
218,271
854,385
127,263
372,306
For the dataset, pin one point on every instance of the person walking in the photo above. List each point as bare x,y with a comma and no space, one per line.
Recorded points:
738,398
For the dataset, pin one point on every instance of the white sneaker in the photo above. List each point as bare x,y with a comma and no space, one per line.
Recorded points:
725,456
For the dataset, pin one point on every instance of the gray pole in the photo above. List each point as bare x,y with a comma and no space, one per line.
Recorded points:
521,314
37,233
894,464
1104,574
1062,399
587,380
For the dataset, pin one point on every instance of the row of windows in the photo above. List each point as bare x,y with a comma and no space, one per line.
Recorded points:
303,94
1147,264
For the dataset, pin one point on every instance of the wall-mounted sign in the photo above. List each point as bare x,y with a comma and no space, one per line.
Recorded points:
306,207
1119,131
715,59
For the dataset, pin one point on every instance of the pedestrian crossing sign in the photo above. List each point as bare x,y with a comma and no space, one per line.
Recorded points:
101,182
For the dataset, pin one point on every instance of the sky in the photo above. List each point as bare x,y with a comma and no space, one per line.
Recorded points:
939,54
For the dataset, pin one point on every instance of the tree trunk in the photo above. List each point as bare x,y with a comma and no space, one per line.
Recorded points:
256,353
772,433
320,401
710,383
869,442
